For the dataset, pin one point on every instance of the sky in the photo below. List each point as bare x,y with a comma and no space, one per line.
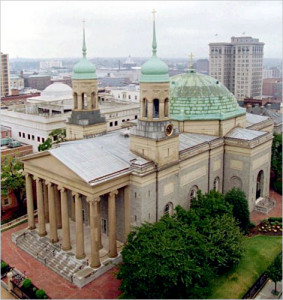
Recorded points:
53,29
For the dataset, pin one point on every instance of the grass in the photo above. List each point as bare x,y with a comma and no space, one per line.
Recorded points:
260,251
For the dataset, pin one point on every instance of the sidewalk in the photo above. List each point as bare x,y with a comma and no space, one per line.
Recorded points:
265,293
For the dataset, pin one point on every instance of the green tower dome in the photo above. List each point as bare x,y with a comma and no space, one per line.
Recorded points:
195,96
154,70
84,69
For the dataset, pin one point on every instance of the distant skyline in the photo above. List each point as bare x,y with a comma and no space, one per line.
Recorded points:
53,29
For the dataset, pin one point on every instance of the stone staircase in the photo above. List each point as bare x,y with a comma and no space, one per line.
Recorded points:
63,263
264,205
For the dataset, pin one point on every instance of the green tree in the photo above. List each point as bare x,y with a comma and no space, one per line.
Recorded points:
241,213
55,136
13,180
164,260
212,216
274,272
276,162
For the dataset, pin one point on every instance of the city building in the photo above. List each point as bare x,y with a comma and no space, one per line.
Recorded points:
129,63
272,87
16,82
238,65
190,135
18,98
5,75
49,64
128,95
39,82
202,66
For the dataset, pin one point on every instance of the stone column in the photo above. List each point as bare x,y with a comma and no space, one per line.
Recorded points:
40,207
30,208
46,208
58,207
52,214
127,206
150,110
80,251
99,225
161,110
66,240
94,258
112,223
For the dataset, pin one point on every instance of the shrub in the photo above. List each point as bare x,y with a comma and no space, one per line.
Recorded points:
278,187
27,283
40,294
273,219
252,225
241,213
3,265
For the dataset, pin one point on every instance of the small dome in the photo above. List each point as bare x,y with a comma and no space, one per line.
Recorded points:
56,91
154,70
195,96
84,69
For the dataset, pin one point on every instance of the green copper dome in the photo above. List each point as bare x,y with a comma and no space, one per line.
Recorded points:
154,70
195,96
84,69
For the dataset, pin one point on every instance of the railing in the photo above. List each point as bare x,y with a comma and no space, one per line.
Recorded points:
256,288
16,221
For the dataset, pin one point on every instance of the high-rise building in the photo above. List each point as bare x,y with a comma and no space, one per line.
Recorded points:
238,65
5,84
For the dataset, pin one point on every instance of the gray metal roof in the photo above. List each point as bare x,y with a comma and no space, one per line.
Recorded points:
244,134
254,119
188,140
92,159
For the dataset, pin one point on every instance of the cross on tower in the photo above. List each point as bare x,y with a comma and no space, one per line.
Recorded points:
154,12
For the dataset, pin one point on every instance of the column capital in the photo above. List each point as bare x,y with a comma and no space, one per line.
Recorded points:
92,199
49,183
113,193
76,194
37,178
61,188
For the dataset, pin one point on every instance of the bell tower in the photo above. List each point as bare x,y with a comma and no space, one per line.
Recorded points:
85,120
154,137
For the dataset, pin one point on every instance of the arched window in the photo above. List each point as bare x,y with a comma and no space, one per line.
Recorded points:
168,209
155,108
236,182
75,100
84,101
144,108
93,104
166,107
259,184
193,192
216,184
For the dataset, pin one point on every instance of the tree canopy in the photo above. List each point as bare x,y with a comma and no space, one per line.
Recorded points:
241,213
177,256
274,272
276,162
55,136
12,179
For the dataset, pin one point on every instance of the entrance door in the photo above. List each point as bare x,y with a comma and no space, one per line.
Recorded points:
259,185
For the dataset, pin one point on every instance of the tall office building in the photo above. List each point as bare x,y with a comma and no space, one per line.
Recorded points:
238,65
5,84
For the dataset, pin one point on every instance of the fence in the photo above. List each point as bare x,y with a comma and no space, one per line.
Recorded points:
16,221
256,288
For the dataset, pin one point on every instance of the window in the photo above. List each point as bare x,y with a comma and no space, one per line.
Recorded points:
111,124
193,192
216,184
129,97
116,123
104,226
123,120
155,108
42,139
168,209
28,136
136,116
38,139
24,135
6,201
32,137
20,134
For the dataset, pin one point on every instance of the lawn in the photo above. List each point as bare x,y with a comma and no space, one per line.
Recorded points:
260,252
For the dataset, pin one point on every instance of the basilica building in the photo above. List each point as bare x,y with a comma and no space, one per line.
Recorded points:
191,135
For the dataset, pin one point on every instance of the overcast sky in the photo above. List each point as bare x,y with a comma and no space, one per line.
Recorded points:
46,29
